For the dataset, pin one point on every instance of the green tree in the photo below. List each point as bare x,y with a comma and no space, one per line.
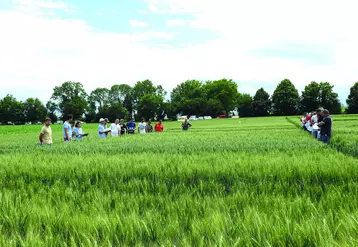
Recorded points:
245,105
285,99
148,107
100,96
329,99
310,99
112,112
148,99
261,103
224,90
352,100
189,98
71,98
35,111
52,107
11,110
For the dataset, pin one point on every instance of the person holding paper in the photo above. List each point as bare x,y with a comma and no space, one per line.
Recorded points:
102,131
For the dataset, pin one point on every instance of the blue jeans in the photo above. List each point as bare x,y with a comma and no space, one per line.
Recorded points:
325,139
315,133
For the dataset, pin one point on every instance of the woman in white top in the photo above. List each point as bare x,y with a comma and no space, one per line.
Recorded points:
115,128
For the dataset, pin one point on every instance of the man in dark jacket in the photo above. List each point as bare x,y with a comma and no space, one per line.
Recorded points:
326,127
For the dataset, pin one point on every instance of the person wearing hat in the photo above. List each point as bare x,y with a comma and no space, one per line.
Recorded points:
131,126
46,133
102,130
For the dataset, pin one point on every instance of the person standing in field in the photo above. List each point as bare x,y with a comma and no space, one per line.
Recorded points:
186,125
46,133
131,126
142,127
123,127
78,132
326,127
149,127
314,123
115,128
67,129
102,131
159,127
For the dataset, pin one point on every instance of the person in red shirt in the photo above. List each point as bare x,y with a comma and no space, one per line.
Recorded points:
159,127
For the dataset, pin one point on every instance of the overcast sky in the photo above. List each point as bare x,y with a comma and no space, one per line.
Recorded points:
102,43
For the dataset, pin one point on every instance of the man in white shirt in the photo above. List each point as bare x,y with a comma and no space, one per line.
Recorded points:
142,127
115,128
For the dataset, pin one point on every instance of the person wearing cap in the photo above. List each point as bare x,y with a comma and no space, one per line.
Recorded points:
102,131
131,126
67,129
46,133
142,127
123,127
77,131
159,126
326,127
115,128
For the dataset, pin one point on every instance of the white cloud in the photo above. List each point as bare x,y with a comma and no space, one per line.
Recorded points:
154,9
174,23
141,11
37,53
99,13
135,23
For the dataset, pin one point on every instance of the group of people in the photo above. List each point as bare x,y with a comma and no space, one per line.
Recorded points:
119,128
72,130
318,124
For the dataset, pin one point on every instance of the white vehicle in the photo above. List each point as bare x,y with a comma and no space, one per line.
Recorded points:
181,118
193,118
207,117
200,118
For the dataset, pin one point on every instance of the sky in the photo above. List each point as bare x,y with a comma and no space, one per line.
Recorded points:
256,43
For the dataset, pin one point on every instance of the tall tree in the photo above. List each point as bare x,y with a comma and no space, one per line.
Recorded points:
188,98
148,99
71,98
11,110
352,100
310,99
101,96
285,99
329,99
245,105
35,111
224,90
52,107
261,103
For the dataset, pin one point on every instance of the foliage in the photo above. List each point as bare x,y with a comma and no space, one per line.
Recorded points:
352,100
285,99
71,98
261,105
11,110
34,110
245,105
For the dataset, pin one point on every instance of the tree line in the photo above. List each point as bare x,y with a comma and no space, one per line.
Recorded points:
192,97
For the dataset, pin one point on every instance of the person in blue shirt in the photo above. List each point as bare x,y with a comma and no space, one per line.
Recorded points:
131,126
67,129
78,133
102,131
